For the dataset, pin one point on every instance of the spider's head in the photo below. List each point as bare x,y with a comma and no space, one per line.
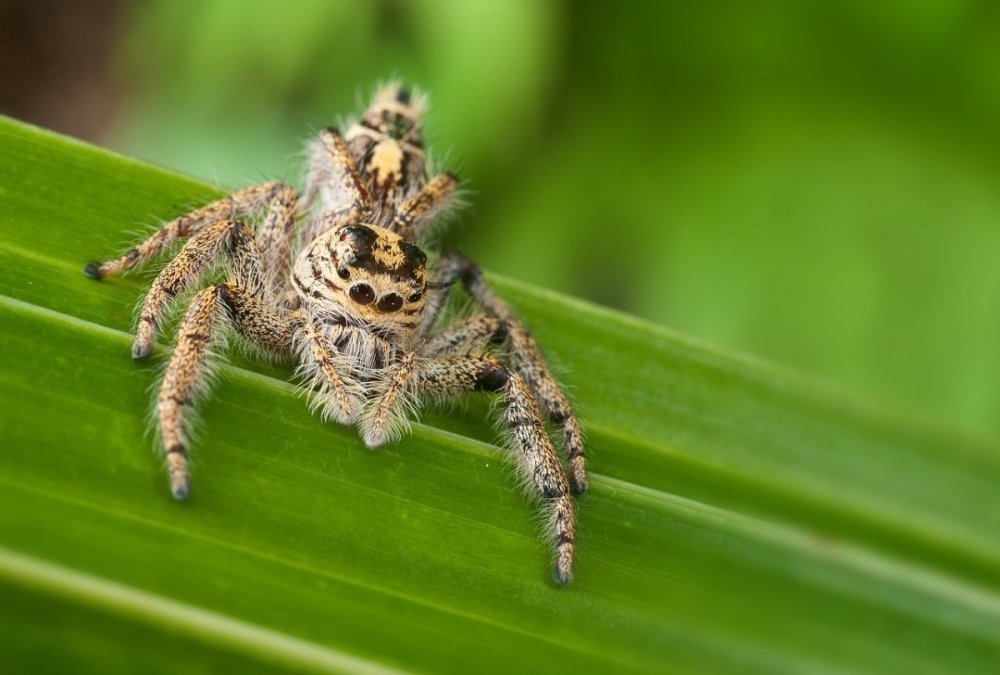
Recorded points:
373,273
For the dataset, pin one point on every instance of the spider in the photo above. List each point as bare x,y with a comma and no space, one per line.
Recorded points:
336,279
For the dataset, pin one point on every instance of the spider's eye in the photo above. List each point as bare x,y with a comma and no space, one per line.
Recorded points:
362,294
390,303
416,296
344,273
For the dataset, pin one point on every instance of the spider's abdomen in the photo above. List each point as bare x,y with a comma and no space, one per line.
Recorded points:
388,150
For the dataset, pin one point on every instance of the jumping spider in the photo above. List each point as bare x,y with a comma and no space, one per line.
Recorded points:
335,277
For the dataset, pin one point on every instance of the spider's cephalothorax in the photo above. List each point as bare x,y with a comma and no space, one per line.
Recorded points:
365,272
336,279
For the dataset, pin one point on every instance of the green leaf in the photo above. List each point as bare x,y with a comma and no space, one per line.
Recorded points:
740,518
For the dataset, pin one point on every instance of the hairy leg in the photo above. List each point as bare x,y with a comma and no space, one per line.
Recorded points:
186,376
525,358
190,264
470,336
417,213
333,179
237,205
275,235
536,458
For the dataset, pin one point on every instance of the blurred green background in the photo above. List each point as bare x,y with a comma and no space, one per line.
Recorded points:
813,182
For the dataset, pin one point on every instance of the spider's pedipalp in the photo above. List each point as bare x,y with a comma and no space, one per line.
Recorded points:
386,419
330,352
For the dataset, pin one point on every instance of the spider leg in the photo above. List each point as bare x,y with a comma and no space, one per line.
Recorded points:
275,234
190,264
536,458
243,301
333,178
417,212
239,204
525,358
186,375
470,336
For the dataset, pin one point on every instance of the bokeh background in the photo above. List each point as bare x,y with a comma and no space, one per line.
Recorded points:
814,182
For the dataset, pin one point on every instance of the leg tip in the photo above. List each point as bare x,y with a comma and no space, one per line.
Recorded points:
140,350
562,577
372,440
93,270
180,489
579,485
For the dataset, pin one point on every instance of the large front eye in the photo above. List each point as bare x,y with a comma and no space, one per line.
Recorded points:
390,303
362,294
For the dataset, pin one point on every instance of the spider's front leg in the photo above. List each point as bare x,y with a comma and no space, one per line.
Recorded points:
274,234
208,235
525,357
536,458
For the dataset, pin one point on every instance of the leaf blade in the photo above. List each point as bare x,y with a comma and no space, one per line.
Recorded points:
693,553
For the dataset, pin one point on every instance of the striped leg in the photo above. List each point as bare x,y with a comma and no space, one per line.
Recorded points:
333,178
237,205
275,234
417,213
532,448
186,377
470,336
526,359
190,264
